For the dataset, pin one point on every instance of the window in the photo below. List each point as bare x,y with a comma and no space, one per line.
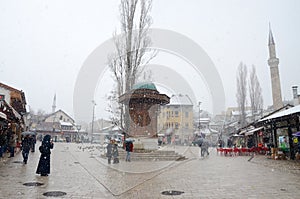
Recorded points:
187,125
176,113
186,114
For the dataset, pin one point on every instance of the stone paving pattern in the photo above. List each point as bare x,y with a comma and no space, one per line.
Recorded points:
79,170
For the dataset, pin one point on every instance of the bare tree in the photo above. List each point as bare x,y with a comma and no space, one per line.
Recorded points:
113,107
255,93
242,92
131,48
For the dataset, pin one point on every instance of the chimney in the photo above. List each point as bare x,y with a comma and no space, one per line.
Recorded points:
295,95
295,92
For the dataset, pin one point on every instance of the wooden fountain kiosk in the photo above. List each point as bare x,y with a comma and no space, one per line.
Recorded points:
143,101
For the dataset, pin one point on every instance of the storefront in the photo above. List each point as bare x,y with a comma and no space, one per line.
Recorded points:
281,126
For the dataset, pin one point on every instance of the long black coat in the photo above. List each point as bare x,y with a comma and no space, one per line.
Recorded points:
44,163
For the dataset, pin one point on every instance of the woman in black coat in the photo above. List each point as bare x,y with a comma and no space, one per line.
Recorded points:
44,163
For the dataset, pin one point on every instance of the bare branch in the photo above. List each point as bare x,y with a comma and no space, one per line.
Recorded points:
242,92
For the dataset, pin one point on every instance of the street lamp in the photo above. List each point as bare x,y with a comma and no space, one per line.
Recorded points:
78,127
94,104
199,103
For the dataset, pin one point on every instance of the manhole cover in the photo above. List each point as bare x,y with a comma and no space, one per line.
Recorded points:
172,193
33,184
18,162
76,162
54,193
282,189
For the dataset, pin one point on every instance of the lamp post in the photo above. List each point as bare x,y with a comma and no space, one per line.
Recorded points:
199,103
78,127
94,104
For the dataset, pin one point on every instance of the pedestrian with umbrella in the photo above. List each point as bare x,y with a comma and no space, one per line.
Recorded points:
128,148
25,146
32,138
204,148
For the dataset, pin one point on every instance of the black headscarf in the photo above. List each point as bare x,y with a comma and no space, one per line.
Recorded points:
46,139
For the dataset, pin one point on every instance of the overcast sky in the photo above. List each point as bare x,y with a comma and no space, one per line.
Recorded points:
43,44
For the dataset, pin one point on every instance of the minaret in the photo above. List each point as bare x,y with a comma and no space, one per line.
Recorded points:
273,63
54,103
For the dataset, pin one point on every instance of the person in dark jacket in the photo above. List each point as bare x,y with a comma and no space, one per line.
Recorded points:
12,144
204,148
115,152
129,149
44,163
26,143
32,142
109,149
2,143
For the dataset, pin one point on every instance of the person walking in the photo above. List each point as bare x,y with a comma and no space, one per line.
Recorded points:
44,162
25,146
109,148
2,142
204,148
129,149
115,153
32,142
12,144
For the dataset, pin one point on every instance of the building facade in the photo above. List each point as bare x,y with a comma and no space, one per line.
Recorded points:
176,119
59,125
12,109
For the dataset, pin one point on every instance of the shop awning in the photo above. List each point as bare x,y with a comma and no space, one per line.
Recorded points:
286,112
17,115
253,131
3,116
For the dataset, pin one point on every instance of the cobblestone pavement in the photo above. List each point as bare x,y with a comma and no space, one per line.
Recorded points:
80,172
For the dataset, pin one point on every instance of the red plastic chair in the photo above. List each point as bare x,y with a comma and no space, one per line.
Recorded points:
252,150
221,151
236,151
228,151
245,151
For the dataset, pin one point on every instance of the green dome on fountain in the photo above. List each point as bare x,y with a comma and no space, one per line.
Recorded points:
144,85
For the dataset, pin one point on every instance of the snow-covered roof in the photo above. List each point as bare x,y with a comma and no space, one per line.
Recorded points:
116,128
286,112
180,100
237,113
250,131
65,123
